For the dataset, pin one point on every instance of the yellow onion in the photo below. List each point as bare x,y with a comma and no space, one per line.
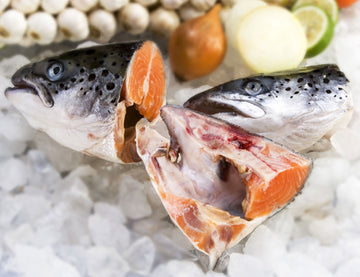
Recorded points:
197,46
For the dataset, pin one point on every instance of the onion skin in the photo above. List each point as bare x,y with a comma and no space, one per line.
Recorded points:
197,46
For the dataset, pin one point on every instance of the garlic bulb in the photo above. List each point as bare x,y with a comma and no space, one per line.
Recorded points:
54,6
102,25
113,5
83,5
42,27
146,3
188,12
134,17
203,5
25,6
172,4
3,5
163,21
73,24
12,26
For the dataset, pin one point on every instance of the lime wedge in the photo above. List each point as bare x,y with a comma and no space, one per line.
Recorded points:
319,28
330,6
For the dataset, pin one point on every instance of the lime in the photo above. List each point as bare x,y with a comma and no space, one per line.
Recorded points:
330,6
319,28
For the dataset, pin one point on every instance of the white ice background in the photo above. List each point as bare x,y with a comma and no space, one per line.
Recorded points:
63,214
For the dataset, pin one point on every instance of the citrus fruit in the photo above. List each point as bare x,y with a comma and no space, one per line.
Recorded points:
330,6
319,28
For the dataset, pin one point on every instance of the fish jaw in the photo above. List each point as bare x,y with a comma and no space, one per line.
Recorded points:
217,181
81,134
294,108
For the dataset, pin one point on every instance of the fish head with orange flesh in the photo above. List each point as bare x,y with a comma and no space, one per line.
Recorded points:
295,108
81,100
217,181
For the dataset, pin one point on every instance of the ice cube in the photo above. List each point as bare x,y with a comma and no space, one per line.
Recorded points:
33,206
326,229
346,143
328,256
246,265
10,148
24,234
4,83
349,269
105,262
9,209
62,158
265,244
74,255
134,204
39,262
78,196
319,189
13,174
140,255
175,268
282,224
106,229
299,265
347,200
14,127
8,66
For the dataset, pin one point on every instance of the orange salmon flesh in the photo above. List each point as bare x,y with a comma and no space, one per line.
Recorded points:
145,81
227,181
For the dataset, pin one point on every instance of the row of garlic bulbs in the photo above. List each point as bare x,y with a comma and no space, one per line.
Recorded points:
27,22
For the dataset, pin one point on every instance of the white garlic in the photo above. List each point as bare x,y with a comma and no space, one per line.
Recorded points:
102,25
203,5
172,4
54,6
42,27
26,42
12,26
229,3
135,18
147,3
3,5
113,5
73,24
25,6
188,12
163,21
83,5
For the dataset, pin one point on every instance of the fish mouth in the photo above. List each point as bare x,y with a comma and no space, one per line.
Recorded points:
212,104
23,85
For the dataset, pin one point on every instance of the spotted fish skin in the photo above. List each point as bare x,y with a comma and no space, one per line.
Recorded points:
295,108
92,76
81,98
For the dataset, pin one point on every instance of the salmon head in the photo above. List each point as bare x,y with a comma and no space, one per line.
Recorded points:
82,100
216,180
295,108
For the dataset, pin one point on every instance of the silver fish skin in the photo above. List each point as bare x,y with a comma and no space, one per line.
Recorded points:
73,97
294,108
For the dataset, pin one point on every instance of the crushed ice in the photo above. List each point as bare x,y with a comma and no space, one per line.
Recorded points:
66,214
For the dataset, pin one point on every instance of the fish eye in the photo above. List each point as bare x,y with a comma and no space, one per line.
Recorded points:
55,71
253,87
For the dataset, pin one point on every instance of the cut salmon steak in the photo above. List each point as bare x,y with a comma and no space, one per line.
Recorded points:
217,181
142,94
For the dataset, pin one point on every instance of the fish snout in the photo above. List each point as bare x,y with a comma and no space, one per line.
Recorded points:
18,78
